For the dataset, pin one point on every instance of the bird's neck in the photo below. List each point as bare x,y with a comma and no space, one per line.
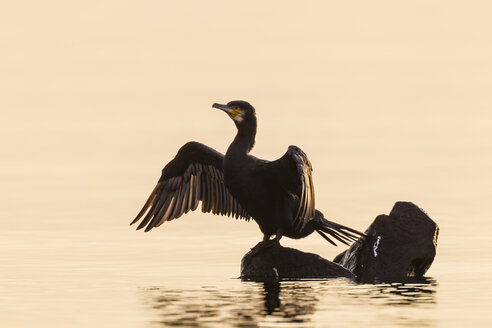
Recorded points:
244,140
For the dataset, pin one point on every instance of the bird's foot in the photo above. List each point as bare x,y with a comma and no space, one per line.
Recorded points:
263,245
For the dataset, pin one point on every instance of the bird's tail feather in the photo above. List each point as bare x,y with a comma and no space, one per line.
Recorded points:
336,231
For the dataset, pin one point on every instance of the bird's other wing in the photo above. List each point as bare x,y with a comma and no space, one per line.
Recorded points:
293,172
194,175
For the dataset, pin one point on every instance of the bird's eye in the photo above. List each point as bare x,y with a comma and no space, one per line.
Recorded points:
235,107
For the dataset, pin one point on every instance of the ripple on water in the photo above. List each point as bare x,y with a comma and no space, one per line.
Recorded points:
336,302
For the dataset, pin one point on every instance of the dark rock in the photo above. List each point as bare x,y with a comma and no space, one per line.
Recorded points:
402,244
278,262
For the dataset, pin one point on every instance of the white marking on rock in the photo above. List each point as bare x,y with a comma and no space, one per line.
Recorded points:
375,246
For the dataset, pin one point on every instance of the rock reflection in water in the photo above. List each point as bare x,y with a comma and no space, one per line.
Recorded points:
289,303
418,291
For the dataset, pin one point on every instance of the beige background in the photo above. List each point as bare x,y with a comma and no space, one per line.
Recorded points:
390,100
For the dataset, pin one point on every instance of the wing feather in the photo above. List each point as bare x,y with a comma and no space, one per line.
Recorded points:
194,195
193,176
186,196
189,205
146,205
293,173
167,214
160,215
304,170
198,187
177,206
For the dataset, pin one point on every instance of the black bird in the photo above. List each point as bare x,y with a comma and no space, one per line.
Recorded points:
278,195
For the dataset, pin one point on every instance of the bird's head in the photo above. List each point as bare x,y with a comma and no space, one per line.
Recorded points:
240,111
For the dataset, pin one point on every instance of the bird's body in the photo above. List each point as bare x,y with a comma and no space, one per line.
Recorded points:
259,197
278,195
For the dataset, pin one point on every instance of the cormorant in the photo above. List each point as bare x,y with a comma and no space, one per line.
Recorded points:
278,195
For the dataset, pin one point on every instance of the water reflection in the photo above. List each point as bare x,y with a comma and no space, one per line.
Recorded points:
406,293
294,303
415,291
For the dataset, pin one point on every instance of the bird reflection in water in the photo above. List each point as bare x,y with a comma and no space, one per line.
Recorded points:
291,303
296,302
212,307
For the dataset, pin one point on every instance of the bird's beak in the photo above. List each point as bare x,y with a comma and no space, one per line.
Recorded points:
225,108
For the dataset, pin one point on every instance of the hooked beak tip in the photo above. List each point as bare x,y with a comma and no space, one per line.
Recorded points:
225,108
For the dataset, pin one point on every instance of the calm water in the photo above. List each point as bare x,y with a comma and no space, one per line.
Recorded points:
96,97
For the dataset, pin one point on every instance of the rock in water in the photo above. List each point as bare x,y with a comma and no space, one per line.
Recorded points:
277,262
402,244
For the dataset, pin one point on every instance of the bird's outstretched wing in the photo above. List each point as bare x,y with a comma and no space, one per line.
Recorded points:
293,172
194,175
